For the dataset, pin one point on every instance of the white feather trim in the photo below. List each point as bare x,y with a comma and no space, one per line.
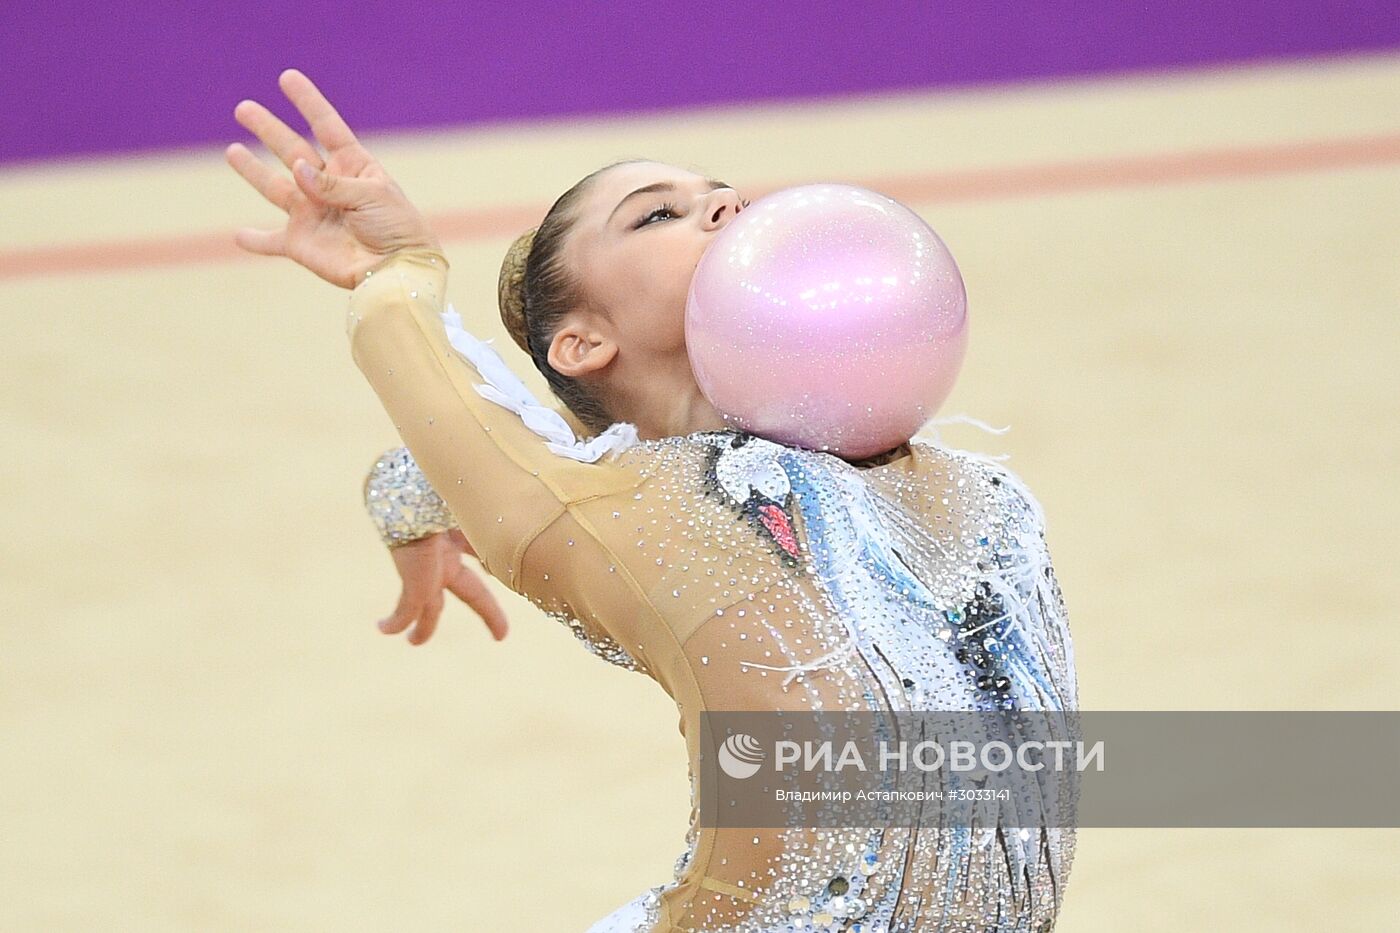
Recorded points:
504,388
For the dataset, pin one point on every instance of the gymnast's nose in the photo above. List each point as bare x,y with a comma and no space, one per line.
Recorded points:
721,206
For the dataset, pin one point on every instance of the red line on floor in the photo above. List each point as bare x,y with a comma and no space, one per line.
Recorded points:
964,185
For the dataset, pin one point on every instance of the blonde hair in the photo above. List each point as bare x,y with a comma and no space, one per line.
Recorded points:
510,289
536,290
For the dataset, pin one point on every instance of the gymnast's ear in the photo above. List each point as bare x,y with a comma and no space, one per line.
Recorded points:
579,349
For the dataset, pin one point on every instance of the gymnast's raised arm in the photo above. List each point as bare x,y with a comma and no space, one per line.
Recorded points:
348,222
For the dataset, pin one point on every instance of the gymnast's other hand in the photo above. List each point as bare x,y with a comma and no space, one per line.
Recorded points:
429,566
344,212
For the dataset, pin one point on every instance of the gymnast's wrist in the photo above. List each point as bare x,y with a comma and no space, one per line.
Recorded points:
426,258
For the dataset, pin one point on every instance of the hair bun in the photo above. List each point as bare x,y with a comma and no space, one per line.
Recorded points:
510,288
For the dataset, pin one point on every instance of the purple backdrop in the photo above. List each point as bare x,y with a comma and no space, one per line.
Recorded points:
87,77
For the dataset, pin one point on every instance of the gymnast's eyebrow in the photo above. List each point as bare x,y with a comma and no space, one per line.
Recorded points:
661,186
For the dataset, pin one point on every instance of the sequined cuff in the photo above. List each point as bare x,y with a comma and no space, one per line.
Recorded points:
404,506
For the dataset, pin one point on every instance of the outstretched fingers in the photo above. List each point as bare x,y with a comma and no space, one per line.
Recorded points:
472,590
404,613
427,622
287,144
276,187
342,191
418,607
326,123
262,242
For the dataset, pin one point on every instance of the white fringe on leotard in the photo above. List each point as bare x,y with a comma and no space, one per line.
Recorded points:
504,388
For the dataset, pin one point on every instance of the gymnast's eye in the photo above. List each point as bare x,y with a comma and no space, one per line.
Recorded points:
666,208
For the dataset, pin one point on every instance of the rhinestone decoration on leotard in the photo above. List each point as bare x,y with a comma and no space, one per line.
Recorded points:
896,592
902,594
920,589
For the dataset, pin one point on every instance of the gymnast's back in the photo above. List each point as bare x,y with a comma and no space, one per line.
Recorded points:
743,575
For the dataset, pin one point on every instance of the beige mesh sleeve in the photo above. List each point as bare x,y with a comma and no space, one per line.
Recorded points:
500,482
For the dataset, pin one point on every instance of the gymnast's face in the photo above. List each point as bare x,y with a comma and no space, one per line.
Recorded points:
638,235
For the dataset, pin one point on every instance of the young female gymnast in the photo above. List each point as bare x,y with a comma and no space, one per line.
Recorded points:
737,573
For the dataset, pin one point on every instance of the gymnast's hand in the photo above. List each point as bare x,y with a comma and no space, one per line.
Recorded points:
429,566
344,212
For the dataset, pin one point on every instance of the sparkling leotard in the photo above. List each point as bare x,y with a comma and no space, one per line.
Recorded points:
745,575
